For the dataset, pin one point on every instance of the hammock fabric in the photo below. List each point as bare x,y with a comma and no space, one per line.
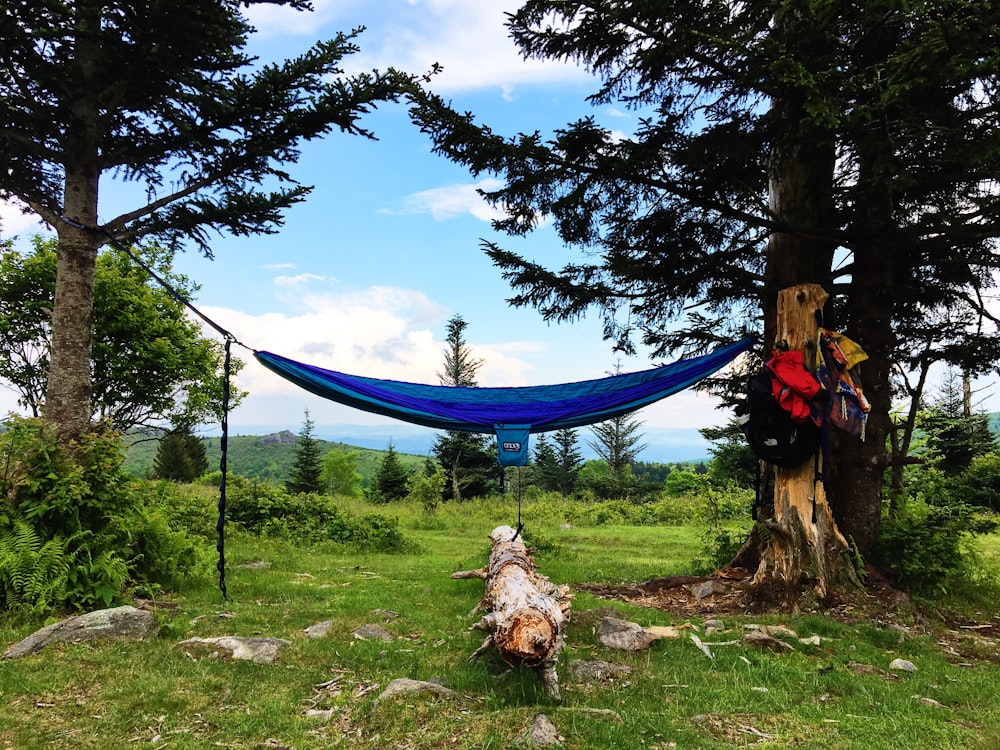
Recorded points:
509,413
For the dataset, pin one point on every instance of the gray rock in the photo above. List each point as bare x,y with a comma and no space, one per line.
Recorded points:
902,665
373,633
767,642
541,733
708,588
406,686
258,650
319,629
116,624
588,671
623,635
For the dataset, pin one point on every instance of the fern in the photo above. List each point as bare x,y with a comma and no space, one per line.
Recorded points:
33,573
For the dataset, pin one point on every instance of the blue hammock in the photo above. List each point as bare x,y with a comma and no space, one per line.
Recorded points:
509,413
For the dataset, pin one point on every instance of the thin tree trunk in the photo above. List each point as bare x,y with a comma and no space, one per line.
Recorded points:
525,611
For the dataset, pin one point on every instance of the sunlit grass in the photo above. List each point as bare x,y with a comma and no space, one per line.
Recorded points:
156,695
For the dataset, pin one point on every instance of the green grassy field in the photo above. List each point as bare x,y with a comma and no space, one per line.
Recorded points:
838,694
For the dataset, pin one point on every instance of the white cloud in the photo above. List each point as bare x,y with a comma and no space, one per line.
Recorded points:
467,38
382,332
297,280
450,201
13,220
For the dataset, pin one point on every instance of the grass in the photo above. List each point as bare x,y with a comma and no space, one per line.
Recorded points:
154,695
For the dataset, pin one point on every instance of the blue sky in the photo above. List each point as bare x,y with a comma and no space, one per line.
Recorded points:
365,274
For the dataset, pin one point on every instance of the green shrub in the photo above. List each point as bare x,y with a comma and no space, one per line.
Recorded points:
76,531
927,549
267,509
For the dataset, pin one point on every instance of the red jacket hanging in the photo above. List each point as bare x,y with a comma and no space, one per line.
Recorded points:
792,384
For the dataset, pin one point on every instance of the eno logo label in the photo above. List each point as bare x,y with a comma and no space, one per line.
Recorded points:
509,445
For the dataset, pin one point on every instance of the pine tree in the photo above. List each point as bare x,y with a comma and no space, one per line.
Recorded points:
568,461
618,443
307,468
391,479
846,145
544,469
180,456
470,467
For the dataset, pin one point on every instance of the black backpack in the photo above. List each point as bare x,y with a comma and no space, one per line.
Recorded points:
773,435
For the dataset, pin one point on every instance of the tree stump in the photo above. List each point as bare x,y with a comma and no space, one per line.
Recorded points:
525,612
805,552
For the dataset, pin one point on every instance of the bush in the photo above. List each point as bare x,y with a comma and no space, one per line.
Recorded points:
76,531
927,549
266,509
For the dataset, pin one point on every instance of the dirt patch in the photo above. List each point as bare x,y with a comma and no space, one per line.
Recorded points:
727,592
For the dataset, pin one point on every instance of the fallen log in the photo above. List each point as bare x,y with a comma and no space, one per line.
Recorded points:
525,612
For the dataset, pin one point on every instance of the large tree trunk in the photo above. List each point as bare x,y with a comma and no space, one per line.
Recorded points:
525,611
67,395
806,560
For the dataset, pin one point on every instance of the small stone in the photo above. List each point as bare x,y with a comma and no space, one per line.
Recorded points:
541,733
319,630
902,665
257,650
708,588
405,686
587,671
623,635
373,633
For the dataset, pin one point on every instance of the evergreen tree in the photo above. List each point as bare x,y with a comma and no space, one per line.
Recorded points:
956,434
846,145
567,461
180,456
165,96
307,468
391,479
545,466
732,459
618,442
470,467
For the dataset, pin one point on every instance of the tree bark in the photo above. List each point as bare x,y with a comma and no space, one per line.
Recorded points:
67,395
525,612
806,559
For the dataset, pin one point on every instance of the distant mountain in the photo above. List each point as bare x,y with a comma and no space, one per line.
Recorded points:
268,457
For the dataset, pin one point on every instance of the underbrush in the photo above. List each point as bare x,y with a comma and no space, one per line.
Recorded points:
76,532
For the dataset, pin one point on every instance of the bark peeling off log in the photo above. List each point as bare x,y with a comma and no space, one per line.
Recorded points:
525,611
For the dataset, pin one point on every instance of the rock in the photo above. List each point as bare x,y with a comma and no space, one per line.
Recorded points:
777,631
373,633
902,665
708,588
624,636
762,640
258,650
541,733
278,438
319,629
590,671
116,624
406,686
713,626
